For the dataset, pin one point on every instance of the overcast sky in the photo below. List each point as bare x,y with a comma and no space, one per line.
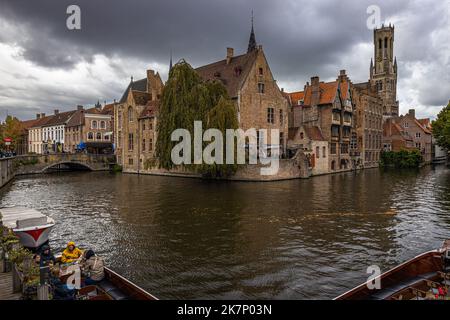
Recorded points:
44,66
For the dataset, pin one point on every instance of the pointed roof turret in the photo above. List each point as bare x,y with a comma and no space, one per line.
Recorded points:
252,40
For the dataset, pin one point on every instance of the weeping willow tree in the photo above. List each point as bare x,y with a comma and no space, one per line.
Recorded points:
185,99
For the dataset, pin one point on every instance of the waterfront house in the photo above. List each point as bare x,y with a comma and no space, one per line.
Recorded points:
328,106
259,102
53,131
135,122
35,133
310,141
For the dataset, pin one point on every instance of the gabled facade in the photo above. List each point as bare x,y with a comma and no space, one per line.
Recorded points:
420,134
311,142
329,106
135,123
259,102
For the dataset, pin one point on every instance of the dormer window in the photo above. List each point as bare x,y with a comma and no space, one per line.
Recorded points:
260,71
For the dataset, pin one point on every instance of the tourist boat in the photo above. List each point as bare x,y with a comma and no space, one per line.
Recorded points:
31,226
112,287
425,277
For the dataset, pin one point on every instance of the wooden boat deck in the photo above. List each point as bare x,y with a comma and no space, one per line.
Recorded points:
6,287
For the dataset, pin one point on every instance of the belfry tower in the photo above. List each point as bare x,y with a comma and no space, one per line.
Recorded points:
383,69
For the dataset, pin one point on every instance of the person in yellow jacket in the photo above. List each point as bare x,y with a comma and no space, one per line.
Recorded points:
71,253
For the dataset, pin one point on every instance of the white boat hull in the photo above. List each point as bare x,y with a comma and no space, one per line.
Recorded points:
33,238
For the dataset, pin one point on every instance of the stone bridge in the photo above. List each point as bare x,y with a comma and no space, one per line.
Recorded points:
29,164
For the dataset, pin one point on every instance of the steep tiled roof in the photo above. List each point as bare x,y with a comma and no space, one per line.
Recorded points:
59,119
141,98
328,91
150,110
140,85
108,109
77,119
314,133
41,122
28,123
425,129
296,96
232,74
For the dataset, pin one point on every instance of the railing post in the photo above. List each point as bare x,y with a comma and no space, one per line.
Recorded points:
16,281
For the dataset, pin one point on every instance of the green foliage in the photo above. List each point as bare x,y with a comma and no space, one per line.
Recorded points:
11,128
185,99
26,162
441,128
117,168
401,159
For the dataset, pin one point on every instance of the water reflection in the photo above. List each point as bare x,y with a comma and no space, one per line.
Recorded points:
187,238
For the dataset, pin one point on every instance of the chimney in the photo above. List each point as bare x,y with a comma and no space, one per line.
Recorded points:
282,89
230,53
412,113
150,73
56,111
80,107
315,91
42,115
342,75
38,115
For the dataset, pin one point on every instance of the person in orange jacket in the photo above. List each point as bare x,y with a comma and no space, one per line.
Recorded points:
71,253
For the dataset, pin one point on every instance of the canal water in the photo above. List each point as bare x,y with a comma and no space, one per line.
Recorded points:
299,239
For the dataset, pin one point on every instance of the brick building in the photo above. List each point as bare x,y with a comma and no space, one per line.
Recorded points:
369,124
328,106
135,123
251,86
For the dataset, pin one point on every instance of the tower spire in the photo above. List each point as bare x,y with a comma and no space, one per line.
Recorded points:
170,65
252,40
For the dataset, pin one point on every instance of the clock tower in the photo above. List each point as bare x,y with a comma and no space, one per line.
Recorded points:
383,69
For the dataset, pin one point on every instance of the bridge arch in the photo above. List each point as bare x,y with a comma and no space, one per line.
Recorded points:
67,166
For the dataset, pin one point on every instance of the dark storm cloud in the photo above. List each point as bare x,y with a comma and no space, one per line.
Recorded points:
300,38
291,31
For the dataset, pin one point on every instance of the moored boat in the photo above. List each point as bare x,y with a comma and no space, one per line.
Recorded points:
424,277
31,226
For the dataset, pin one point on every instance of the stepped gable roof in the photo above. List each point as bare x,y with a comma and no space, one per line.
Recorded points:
140,85
314,133
232,74
150,110
59,119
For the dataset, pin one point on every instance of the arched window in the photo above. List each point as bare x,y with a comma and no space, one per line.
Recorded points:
317,152
94,124
130,113
385,42
324,152
99,136
90,136
379,43
102,124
